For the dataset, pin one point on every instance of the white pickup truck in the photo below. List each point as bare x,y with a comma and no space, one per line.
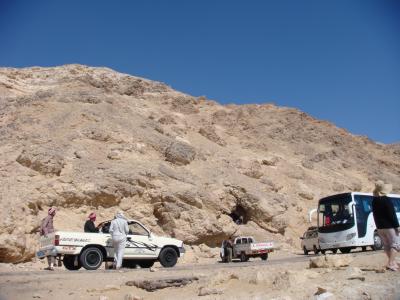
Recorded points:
244,247
89,250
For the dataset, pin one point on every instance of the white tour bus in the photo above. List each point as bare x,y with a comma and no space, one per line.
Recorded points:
345,221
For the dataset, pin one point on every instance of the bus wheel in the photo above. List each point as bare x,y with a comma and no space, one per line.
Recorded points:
334,251
305,250
377,242
345,250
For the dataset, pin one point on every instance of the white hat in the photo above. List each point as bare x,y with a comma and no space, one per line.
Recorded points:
382,189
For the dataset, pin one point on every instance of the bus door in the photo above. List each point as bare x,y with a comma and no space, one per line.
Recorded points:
363,208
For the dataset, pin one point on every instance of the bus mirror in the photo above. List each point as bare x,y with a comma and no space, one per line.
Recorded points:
310,213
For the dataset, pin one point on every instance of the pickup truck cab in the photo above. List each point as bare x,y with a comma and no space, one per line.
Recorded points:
89,250
244,247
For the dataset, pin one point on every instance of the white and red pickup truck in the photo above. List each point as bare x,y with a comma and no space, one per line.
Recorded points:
89,250
244,247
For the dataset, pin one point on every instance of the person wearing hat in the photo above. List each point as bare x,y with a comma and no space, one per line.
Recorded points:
118,230
47,227
89,224
386,222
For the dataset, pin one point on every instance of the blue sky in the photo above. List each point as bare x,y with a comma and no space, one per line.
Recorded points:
336,60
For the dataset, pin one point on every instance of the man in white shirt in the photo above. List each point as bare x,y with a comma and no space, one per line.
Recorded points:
118,230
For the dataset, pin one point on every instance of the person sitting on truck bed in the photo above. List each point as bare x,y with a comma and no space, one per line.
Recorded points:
89,224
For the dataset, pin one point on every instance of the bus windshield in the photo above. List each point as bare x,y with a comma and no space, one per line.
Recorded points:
335,213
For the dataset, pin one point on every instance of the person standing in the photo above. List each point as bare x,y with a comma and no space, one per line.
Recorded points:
118,230
47,227
386,222
89,224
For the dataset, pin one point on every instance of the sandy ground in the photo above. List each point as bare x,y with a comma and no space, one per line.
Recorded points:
283,276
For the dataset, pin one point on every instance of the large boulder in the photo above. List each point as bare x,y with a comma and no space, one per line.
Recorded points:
180,153
330,261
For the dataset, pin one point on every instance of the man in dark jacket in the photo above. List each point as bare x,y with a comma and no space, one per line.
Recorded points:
89,224
386,222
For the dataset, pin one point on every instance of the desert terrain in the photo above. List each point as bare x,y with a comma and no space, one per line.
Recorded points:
359,275
86,139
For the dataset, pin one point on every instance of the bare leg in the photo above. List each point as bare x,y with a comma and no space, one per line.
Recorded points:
392,259
50,261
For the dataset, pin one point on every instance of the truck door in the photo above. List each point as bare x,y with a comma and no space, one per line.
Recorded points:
139,242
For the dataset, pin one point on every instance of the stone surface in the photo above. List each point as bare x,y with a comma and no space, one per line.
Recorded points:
205,291
153,285
330,261
132,297
88,139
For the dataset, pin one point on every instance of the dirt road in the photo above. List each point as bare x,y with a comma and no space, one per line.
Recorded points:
256,279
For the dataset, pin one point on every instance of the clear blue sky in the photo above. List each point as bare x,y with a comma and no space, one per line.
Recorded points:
336,60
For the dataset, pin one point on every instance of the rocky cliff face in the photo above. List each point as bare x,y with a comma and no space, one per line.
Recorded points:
91,139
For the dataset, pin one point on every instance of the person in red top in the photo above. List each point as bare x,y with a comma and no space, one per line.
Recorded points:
47,227
386,222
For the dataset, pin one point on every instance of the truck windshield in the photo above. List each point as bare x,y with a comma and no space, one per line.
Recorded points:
335,213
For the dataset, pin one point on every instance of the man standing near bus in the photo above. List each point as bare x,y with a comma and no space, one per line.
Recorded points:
386,222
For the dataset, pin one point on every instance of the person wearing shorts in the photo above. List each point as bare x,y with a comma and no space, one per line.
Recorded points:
386,222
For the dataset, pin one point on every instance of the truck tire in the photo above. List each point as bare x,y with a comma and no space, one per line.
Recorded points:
243,257
168,257
315,249
91,258
378,245
334,251
305,250
264,256
69,263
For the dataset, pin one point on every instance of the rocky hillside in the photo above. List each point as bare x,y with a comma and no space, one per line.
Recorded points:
91,139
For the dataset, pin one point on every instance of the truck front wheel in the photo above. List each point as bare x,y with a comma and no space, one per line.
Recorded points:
168,257
91,258
264,256
69,262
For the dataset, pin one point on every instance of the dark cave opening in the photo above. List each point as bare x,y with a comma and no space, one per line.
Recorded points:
239,215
